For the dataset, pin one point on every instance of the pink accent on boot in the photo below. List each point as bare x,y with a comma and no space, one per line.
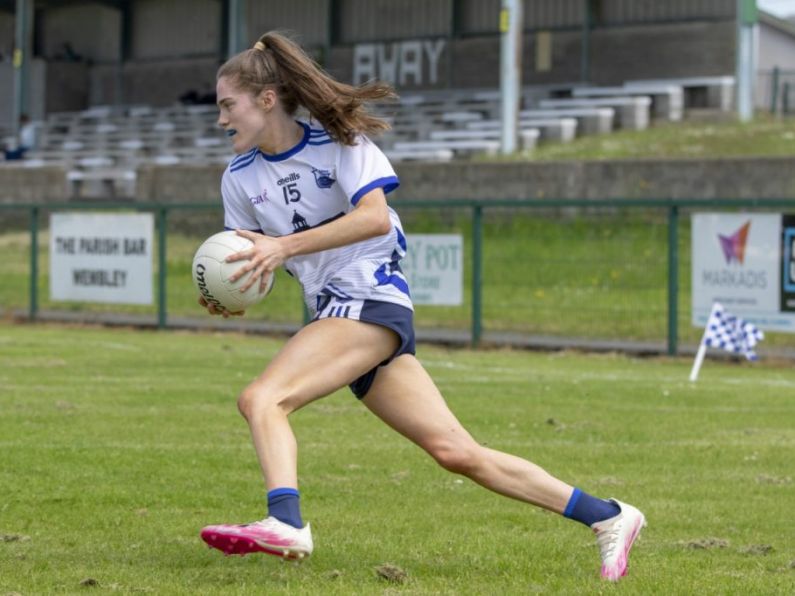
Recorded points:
615,537
269,536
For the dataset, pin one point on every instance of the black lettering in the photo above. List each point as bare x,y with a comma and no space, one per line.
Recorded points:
99,246
65,245
134,246
116,278
726,278
203,289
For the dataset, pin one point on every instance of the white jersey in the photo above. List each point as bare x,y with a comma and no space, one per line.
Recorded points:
312,184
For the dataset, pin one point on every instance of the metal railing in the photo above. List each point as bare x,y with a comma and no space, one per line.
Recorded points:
476,208
776,88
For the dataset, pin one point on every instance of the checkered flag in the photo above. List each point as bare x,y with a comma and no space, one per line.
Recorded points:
731,333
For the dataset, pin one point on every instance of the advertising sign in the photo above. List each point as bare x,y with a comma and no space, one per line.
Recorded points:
744,261
788,264
434,268
98,257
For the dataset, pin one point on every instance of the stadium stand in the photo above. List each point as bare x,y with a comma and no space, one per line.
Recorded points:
555,128
699,92
667,101
103,147
632,112
589,120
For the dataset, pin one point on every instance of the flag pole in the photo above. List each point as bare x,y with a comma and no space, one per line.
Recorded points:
702,348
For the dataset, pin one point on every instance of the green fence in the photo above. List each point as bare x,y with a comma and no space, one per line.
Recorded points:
777,90
550,273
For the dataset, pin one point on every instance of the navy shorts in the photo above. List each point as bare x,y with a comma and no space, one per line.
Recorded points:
392,316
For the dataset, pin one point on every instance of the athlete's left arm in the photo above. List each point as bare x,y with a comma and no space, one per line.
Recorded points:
368,219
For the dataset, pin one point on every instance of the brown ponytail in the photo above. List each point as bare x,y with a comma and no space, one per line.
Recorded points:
277,61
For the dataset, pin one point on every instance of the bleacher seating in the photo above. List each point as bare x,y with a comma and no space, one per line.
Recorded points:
699,92
590,121
633,112
105,145
553,128
667,101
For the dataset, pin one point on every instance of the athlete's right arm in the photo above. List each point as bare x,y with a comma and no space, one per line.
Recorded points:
368,219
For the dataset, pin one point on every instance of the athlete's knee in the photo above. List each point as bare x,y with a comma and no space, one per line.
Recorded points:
258,400
459,457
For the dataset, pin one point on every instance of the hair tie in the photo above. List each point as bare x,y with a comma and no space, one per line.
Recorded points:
259,46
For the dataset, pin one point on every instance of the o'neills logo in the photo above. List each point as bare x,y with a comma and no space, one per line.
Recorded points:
202,284
291,178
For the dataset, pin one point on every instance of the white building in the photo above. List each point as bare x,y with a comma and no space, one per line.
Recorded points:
776,51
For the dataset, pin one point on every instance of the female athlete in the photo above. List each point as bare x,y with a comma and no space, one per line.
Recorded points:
311,195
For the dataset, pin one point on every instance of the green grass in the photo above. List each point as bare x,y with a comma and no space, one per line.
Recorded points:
763,137
118,446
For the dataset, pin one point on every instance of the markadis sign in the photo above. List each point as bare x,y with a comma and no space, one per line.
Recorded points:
747,263
101,257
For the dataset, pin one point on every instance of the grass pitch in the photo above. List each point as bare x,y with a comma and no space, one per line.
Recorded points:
117,446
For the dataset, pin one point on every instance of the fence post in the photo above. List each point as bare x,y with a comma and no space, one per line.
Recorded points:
34,264
774,89
477,274
673,278
162,228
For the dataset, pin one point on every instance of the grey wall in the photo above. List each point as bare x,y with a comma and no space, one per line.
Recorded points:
677,50
674,178
32,185
6,35
162,83
98,42
67,87
617,55
175,45
36,100
175,28
306,18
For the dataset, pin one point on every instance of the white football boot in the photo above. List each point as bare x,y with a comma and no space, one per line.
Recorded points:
615,537
269,536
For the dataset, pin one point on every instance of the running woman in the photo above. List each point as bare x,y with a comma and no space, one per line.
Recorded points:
311,196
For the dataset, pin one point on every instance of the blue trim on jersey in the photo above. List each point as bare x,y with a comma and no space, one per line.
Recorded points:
391,278
314,132
290,152
243,163
228,229
339,294
389,183
243,156
401,239
323,142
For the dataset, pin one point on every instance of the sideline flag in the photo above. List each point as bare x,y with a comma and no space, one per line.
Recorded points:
729,333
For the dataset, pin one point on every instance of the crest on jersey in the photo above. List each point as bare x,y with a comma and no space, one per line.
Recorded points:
299,222
323,178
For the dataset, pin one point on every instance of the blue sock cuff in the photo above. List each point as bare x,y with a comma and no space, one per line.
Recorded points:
281,492
575,496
